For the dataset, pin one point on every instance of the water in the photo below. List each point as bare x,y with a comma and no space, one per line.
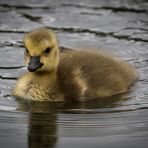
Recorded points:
118,27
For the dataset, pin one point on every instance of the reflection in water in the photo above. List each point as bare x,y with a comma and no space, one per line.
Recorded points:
41,123
98,103
42,130
54,107
42,127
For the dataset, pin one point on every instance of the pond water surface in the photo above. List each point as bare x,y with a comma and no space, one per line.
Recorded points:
118,27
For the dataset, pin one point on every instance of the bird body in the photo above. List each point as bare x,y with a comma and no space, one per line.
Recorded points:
74,75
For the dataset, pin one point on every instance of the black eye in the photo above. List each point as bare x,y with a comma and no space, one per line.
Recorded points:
47,50
27,50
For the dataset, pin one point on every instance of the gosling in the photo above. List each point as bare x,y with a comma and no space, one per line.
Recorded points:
69,76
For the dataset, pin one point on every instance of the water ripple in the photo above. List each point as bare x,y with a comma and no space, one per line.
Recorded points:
114,9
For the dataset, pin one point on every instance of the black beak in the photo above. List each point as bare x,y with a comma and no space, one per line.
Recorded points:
34,63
